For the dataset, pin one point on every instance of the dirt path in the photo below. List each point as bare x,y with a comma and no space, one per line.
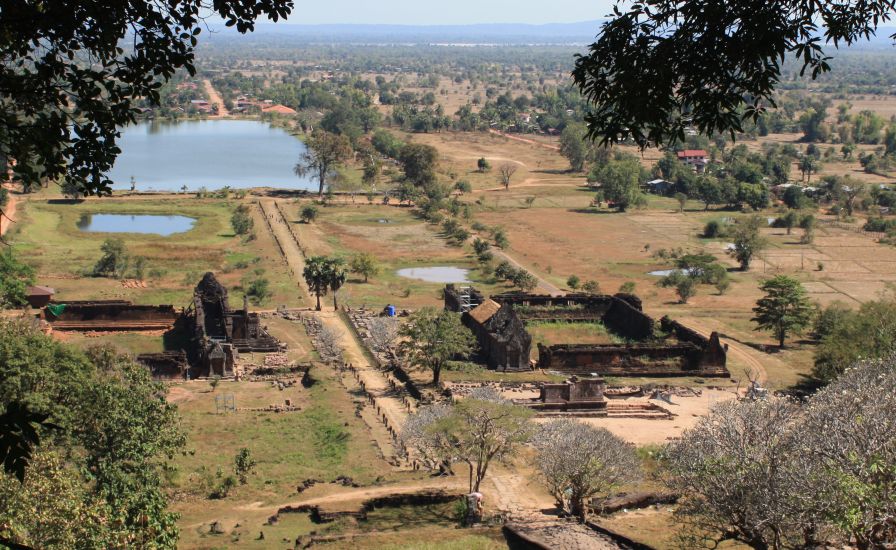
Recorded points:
388,406
214,98
524,140
6,218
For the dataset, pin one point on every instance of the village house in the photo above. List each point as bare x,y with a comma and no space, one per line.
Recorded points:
695,158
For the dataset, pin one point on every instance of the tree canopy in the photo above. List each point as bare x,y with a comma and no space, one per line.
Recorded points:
659,67
68,86
433,337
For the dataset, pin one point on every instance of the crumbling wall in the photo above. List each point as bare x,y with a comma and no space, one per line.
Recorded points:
169,365
627,321
107,316
713,353
651,360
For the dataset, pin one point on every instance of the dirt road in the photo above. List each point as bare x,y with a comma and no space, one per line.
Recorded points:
214,98
524,140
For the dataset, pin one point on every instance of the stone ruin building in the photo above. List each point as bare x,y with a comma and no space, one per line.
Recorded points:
108,315
573,395
220,333
664,349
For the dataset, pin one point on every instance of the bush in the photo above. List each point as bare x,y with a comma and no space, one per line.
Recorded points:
309,213
258,291
715,229
573,282
241,221
591,287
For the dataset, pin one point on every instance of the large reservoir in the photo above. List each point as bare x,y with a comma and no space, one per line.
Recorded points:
166,156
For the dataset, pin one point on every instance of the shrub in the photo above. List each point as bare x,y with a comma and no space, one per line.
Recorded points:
309,213
573,282
241,220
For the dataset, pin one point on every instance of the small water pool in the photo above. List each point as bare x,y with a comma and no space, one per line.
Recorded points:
665,272
147,224
439,274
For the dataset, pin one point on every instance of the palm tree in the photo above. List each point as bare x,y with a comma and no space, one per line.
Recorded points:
317,276
336,277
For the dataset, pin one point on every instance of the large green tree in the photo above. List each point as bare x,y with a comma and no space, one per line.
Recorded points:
659,67
434,337
73,70
114,433
324,152
15,278
419,163
785,309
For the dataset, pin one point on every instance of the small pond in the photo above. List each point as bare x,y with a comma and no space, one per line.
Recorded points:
440,274
149,224
664,272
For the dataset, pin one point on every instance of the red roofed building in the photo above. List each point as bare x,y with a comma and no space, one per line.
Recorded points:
695,158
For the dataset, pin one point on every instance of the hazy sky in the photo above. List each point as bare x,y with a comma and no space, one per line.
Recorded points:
451,12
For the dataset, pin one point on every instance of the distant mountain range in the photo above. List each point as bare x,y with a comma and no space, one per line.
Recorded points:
583,32
500,33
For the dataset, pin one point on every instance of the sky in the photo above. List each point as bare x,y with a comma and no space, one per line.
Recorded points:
452,12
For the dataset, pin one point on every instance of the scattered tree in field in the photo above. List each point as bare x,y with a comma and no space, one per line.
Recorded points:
785,308
243,464
364,264
591,287
747,242
506,172
241,220
15,278
627,287
419,163
573,282
620,181
309,213
500,238
684,283
114,261
58,60
572,146
257,288
682,200
432,338
578,462
483,165
324,152
477,430
463,186
524,280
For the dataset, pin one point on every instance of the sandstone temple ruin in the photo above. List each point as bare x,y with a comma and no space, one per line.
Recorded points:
220,333
651,349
